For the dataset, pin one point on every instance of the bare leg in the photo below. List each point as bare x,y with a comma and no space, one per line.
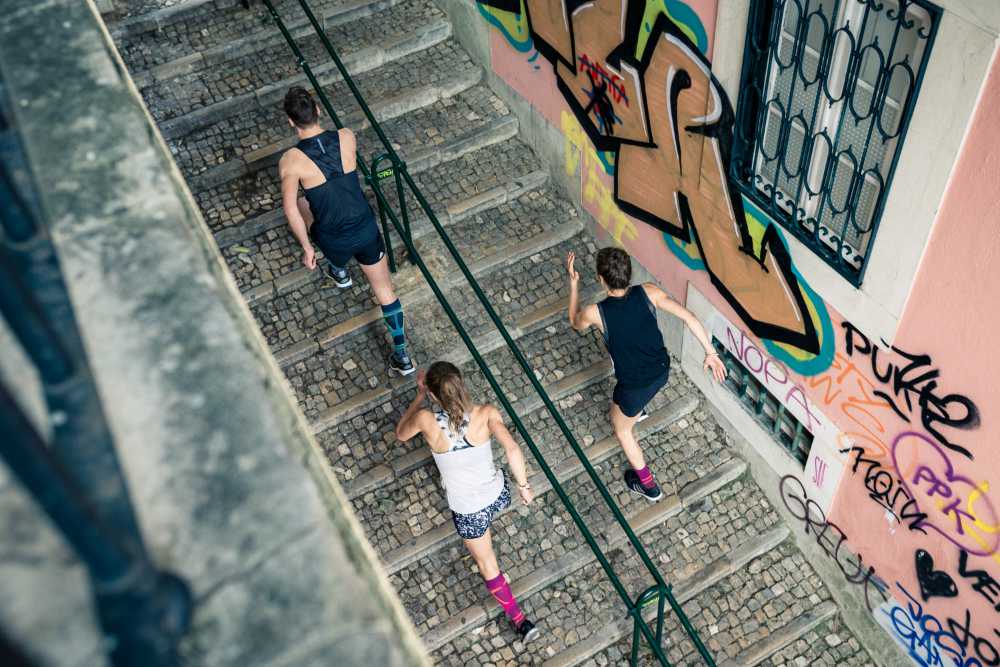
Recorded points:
623,432
481,549
380,280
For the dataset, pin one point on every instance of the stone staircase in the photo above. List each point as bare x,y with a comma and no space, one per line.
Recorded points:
213,74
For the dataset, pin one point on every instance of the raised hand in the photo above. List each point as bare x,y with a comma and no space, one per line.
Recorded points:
574,277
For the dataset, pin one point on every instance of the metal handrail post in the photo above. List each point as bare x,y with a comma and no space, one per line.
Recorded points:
374,174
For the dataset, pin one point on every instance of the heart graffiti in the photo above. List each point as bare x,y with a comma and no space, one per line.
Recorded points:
933,583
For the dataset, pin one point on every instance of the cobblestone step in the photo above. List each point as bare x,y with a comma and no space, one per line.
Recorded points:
161,55
141,16
332,389
434,507
819,638
311,316
553,556
428,125
379,71
238,200
274,65
765,601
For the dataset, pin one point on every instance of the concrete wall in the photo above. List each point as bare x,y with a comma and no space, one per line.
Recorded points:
231,490
901,368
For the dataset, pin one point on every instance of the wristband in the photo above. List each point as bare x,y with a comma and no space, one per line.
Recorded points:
526,485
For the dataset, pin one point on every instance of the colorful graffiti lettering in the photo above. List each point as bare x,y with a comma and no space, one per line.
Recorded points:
956,507
925,638
671,147
829,537
915,378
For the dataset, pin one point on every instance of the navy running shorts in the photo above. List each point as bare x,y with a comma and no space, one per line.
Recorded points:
631,400
367,252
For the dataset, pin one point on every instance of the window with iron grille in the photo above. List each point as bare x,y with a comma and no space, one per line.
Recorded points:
764,407
826,94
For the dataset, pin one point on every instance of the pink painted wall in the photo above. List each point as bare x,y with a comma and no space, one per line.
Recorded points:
910,461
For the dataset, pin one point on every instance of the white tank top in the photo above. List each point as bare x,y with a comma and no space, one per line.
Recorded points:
468,475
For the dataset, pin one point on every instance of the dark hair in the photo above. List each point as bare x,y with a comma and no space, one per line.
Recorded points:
615,266
301,107
444,380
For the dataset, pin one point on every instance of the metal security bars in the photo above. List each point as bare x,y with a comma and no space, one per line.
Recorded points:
660,591
765,408
826,95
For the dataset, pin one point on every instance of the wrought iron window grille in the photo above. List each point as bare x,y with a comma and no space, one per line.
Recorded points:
827,91
764,407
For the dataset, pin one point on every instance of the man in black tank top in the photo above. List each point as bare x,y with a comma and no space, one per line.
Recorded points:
627,319
334,212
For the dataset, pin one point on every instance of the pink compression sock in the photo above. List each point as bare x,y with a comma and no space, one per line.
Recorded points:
501,592
645,477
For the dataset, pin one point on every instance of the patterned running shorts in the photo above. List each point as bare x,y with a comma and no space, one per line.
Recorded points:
471,526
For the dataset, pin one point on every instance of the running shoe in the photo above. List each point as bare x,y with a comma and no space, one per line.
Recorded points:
401,363
651,494
643,416
527,630
340,277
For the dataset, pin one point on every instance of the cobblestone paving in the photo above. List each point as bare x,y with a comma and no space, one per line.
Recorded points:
748,606
731,615
411,133
202,28
316,306
187,92
528,539
251,194
828,645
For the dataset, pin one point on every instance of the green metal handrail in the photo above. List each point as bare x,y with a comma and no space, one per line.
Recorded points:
373,176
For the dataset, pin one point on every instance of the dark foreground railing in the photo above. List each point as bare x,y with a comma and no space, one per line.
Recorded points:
660,591
75,476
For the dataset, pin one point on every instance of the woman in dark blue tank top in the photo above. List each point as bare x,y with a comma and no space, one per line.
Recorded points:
627,318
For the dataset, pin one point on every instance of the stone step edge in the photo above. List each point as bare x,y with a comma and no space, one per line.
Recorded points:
572,561
361,402
564,470
784,636
414,296
359,62
419,227
684,591
385,109
160,18
258,41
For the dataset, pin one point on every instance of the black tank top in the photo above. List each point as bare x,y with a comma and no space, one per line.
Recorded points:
633,338
340,211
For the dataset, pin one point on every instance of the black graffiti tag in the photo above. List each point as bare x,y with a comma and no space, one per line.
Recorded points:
829,537
887,490
915,381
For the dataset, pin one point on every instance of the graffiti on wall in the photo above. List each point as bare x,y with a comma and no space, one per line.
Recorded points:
830,538
639,85
897,461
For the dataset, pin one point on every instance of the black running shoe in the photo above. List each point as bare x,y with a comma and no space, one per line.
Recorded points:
340,277
401,363
651,494
527,630
643,416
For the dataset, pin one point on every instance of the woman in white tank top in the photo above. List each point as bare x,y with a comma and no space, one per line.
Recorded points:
459,434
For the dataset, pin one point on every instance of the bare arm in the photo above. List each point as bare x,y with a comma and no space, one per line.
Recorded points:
414,420
663,301
580,319
515,457
348,149
290,204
